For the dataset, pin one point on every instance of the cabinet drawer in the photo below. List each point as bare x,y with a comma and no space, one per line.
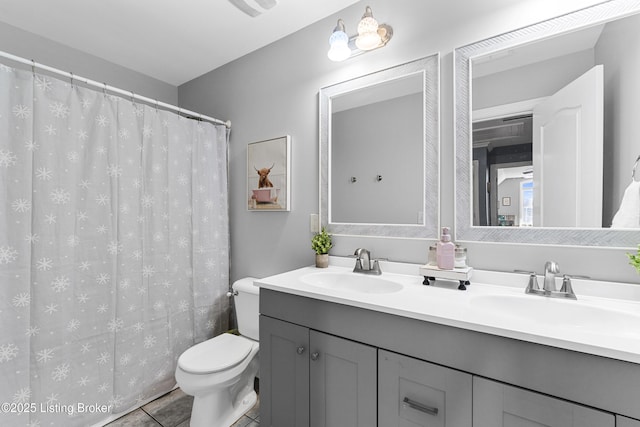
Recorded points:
414,393
499,405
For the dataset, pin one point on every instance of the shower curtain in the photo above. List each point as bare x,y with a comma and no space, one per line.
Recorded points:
114,248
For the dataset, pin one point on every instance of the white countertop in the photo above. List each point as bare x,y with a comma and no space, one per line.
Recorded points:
613,333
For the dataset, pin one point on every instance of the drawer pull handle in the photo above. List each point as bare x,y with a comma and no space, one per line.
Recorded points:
420,407
315,356
300,350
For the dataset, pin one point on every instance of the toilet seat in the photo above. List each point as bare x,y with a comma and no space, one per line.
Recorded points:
215,355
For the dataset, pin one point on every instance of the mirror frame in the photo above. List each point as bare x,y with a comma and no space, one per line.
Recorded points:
463,56
430,69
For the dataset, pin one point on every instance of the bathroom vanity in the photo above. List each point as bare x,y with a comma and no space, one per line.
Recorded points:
401,353
340,349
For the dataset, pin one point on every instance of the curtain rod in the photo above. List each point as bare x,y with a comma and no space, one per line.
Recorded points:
106,87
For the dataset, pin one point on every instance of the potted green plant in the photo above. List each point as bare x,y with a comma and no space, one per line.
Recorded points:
321,243
634,259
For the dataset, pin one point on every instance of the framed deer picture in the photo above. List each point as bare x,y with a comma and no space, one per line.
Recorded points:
268,175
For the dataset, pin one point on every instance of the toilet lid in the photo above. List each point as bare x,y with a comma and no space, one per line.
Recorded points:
216,354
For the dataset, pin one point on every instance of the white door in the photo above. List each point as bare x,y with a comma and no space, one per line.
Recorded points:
567,154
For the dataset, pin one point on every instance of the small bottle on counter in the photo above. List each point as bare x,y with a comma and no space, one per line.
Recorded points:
445,251
431,256
460,257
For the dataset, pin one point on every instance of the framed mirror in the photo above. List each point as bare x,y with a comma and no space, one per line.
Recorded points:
379,152
546,138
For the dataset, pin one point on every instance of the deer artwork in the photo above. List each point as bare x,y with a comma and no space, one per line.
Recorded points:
263,180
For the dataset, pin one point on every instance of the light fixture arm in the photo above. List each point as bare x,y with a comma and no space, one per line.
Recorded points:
367,13
340,26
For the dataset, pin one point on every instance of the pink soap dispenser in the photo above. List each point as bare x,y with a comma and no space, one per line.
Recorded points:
445,251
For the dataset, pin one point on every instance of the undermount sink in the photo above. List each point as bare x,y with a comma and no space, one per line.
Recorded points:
559,312
352,282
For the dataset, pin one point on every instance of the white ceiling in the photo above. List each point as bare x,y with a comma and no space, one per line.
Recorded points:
173,41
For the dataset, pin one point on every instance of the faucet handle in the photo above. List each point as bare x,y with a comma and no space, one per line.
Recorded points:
566,284
376,266
566,288
532,287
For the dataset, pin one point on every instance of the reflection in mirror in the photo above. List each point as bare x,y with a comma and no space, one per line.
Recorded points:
555,123
503,157
546,136
379,152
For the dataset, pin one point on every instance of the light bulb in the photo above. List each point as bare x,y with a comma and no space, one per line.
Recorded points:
339,50
339,44
368,37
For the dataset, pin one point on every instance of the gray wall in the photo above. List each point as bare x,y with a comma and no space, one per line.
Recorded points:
274,91
47,52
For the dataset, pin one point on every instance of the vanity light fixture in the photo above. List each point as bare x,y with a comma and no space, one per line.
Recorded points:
371,35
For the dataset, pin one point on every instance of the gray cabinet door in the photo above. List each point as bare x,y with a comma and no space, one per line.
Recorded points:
284,374
414,393
343,382
626,422
499,405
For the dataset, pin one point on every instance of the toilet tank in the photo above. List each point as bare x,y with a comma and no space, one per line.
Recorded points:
247,307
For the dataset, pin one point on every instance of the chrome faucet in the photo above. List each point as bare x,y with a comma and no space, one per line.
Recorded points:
551,268
549,289
363,263
363,259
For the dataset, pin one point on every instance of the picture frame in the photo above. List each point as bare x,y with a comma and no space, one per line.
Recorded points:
269,175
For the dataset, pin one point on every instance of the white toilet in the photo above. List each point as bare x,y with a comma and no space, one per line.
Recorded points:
219,373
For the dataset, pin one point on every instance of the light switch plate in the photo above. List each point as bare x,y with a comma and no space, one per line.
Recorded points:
314,223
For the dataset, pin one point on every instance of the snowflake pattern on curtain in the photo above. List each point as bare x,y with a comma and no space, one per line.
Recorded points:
114,247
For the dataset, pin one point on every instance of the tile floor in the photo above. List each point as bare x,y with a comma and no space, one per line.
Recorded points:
173,410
